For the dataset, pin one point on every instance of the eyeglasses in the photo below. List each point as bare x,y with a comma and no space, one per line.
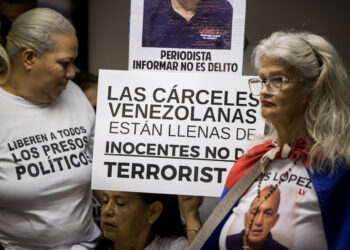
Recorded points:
273,84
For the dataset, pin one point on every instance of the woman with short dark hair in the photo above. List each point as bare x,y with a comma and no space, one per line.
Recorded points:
145,220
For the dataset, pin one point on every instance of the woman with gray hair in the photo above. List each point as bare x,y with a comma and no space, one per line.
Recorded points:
46,138
304,92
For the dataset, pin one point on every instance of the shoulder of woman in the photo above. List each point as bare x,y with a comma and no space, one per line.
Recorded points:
72,85
73,91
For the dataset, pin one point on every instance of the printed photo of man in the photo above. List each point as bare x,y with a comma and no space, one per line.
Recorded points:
192,24
263,219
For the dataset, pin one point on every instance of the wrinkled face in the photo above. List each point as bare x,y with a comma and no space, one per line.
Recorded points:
51,72
266,217
124,216
287,107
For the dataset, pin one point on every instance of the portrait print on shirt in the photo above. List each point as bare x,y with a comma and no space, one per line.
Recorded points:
191,24
269,215
260,218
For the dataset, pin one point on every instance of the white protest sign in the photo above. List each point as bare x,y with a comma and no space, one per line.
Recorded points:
174,133
161,39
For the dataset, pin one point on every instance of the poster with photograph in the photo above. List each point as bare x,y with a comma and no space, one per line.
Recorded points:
175,133
187,35
270,213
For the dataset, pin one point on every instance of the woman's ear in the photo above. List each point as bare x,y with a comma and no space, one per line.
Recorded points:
28,57
156,209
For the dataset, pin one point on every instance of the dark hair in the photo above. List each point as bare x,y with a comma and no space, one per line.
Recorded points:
84,79
169,222
4,19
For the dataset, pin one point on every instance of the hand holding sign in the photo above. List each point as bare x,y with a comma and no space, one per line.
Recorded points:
189,207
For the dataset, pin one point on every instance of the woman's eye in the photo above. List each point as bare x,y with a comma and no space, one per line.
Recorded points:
64,64
120,204
276,79
264,80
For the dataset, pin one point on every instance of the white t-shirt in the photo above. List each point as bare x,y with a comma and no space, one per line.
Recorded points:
300,224
45,172
168,243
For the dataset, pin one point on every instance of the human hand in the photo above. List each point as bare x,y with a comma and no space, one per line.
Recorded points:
189,205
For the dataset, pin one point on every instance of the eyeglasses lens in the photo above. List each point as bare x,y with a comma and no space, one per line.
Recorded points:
255,86
274,84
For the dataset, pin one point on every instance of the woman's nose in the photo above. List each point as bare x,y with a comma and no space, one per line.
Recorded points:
108,209
264,90
70,73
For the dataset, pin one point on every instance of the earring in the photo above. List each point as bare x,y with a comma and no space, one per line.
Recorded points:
150,221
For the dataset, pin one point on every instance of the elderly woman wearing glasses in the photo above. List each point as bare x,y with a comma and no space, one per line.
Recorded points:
304,91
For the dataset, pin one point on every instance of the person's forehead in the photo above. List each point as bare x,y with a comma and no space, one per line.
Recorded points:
268,206
270,203
63,38
275,66
66,45
119,194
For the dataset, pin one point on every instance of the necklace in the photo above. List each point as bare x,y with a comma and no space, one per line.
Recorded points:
273,188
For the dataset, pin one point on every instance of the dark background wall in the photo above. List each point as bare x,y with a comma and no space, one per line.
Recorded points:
77,12
330,19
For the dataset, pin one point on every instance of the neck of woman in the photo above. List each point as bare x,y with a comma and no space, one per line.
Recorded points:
18,82
290,132
186,9
15,81
142,241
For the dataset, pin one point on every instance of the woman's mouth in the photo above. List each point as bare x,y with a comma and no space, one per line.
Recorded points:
265,103
107,225
63,84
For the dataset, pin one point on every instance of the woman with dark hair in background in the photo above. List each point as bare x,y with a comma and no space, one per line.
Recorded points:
146,221
88,84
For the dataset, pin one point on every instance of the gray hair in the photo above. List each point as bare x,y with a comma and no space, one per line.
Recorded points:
4,65
34,29
327,115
